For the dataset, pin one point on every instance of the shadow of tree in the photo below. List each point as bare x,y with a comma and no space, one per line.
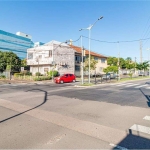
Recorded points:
147,97
44,101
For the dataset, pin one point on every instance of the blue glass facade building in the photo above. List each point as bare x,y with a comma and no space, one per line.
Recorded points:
15,43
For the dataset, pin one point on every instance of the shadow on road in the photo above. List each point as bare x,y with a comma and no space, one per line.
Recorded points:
132,141
44,101
147,97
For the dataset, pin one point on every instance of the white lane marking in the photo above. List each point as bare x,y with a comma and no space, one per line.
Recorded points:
117,146
147,88
131,85
147,118
123,84
140,128
141,86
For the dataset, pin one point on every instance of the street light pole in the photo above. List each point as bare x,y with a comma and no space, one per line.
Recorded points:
149,61
82,61
89,54
89,28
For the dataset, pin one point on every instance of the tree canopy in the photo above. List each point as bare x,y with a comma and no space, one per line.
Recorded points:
143,66
111,69
93,63
9,61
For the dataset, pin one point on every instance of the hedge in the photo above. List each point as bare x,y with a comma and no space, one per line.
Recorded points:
2,76
53,73
42,78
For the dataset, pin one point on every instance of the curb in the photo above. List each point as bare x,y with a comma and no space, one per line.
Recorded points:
110,83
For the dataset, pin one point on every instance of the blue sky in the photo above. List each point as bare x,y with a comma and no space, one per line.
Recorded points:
61,21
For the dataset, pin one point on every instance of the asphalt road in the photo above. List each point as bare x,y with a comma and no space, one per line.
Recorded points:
63,116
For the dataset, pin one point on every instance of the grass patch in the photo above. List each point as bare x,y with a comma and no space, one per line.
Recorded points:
87,84
134,78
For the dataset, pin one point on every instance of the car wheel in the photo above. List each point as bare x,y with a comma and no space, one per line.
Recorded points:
73,81
61,81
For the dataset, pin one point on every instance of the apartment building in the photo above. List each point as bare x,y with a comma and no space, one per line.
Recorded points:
53,55
62,57
102,60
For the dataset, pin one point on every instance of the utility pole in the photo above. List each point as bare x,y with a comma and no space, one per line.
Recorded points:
82,60
141,51
135,66
149,61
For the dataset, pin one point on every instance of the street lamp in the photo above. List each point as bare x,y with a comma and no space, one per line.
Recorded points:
89,28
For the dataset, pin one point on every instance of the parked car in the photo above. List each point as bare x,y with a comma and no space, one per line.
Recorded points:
65,78
109,76
142,74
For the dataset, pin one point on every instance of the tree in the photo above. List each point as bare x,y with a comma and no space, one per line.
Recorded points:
143,66
93,63
2,62
129,65
24,62
112,61
129,59
122,63
111,69
10,61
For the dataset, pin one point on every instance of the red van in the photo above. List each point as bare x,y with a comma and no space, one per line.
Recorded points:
65,78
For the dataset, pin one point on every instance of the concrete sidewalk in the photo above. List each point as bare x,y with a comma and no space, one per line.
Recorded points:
6,81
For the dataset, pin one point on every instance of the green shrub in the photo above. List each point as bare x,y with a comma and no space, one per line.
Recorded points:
53,73
42,78
18,74
28,73
2,76
38,74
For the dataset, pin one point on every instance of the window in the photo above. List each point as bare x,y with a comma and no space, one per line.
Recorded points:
30,55
71,75
102,60
77,59
77,68
95,58
40,56
50,53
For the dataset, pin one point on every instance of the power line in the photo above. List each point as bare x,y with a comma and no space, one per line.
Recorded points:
117,41
144,31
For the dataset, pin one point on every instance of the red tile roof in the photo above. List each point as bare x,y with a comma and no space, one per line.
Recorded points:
78,50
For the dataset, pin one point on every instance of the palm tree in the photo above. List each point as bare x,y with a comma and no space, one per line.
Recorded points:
143,66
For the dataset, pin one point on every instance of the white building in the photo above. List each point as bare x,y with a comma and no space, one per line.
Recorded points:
51,56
